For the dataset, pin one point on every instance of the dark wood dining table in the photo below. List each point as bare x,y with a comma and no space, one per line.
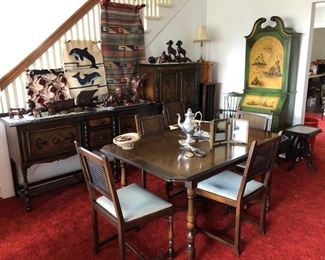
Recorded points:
163,156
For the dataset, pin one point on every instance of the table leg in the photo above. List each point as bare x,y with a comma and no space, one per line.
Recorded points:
294,152
301,149
123,178
191,221
309,155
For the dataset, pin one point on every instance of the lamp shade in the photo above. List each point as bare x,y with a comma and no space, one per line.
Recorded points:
201,34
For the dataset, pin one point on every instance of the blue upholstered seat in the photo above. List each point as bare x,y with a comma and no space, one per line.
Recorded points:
135,201
227,184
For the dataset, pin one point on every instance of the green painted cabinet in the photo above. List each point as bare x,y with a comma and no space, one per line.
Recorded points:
272,55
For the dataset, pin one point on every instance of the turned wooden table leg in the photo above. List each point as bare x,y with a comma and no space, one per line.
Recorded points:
191,221
123,177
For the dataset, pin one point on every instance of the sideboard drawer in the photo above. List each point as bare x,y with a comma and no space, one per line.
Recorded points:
52,142
99,138
100,121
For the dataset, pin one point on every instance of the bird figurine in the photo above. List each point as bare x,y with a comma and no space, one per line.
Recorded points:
181,56
171,51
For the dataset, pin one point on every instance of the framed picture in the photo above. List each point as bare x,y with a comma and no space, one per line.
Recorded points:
219,131
239,130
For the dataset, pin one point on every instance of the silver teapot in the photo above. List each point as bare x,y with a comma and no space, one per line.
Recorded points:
189,126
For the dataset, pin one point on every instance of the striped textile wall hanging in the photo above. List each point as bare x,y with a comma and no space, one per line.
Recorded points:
122,38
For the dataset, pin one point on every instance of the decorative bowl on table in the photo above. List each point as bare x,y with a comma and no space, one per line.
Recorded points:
126,141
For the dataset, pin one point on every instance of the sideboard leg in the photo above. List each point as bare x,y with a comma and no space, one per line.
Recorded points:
26,193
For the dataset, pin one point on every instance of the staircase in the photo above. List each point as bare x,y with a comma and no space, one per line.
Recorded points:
81,25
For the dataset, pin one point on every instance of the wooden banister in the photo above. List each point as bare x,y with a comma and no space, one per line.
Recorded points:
44,46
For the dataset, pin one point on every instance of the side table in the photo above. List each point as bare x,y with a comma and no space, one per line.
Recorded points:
300,146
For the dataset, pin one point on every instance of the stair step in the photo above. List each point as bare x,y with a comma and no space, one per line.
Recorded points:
165,5
148,17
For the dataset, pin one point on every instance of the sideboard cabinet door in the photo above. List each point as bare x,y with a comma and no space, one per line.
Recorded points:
170,82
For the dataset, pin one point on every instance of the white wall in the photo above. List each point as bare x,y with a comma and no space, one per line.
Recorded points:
6,182
231,20
26,24
182,21
320,15
318,49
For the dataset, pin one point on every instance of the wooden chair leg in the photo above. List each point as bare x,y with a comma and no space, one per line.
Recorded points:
121,243
95,231
167,185
268,197
170,237
237,231
263,213
144,179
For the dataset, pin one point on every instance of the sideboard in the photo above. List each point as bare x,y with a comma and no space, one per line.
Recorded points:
49,138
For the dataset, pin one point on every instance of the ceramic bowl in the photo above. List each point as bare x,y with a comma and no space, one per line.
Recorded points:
126,141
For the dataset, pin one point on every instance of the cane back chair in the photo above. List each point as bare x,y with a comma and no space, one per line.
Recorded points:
236,190
124,208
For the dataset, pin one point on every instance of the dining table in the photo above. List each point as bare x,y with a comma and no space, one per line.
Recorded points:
163,156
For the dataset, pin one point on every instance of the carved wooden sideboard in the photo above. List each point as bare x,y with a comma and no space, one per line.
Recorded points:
46,139
170,82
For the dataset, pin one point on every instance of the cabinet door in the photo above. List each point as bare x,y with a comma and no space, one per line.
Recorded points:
169,86
49,141
189,83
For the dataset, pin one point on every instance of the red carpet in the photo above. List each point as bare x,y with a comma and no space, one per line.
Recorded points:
59,227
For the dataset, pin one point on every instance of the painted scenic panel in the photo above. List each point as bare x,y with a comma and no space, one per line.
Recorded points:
266,64
264,102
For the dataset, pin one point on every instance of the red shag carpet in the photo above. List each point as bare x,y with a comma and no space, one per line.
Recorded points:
59,227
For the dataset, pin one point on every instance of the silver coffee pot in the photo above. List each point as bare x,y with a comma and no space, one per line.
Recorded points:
189,126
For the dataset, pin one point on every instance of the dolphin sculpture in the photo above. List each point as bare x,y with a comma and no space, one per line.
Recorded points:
83,53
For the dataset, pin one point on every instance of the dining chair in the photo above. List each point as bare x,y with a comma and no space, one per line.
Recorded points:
170,110
231,102
235,191
257,120
124,208
149,126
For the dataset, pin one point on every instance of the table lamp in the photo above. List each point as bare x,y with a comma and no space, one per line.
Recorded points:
201,36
